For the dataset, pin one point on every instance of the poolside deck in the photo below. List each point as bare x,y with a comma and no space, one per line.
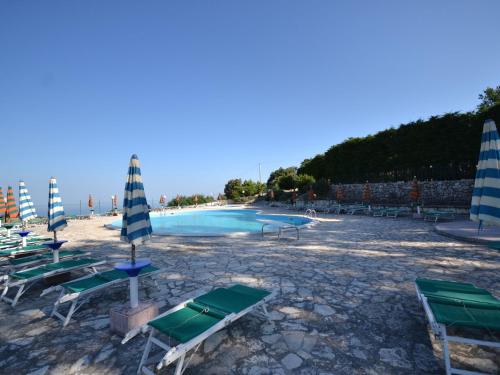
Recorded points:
346,305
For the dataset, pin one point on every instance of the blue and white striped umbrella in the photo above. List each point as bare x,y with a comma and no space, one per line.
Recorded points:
57,220
485,205
136,225
26,207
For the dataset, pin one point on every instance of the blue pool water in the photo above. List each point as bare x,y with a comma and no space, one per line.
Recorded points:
217,222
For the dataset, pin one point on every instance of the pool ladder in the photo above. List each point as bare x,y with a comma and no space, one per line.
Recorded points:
281,230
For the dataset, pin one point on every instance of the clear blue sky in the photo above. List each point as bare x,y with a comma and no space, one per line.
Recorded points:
203,91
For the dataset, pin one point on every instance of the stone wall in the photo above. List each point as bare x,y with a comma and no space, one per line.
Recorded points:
453,193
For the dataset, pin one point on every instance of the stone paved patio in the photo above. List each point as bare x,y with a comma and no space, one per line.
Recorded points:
346,302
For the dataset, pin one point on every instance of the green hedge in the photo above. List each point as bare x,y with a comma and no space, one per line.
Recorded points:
182,200
442,147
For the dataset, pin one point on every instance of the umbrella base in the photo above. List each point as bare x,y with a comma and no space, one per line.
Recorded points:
124,318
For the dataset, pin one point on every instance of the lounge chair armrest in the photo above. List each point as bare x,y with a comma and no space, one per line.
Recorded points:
50,290
134,332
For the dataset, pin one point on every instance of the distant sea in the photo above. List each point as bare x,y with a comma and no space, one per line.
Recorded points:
75,209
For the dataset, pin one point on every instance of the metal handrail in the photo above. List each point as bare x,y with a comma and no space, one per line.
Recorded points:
262,229
311,213
288,227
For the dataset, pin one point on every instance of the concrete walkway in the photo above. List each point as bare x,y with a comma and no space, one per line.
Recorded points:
467,230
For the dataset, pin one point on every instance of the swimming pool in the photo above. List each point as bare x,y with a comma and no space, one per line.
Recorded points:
217,222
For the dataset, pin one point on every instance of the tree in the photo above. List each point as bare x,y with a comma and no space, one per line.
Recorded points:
489,98
249,188
304,182
261,187
287,182
275,175
322,187
233,189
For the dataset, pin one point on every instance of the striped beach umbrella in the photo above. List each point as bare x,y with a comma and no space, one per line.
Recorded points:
26,207
136,225
3,207
11,211
485,205
57,221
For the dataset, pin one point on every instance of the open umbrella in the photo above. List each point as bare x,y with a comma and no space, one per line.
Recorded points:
485,205
57,220
3,207
136,225
11,212
26,207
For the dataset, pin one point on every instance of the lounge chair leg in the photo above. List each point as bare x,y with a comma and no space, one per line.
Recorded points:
264,308
5,289
70,313
56,304
145,355
180,362
18,295
446,350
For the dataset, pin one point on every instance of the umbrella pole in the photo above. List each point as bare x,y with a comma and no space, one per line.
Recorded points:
134,285
55,252
134,292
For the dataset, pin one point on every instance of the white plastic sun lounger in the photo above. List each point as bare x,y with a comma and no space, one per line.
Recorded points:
448,303
30,249
190,323
81,290
25,279
22,263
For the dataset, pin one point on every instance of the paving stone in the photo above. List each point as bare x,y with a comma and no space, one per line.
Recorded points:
291,361
396,357
41,371
213,341
324,310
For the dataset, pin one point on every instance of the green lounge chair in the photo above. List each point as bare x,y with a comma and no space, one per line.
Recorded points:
395,212
192,322
435,215
24,279
83,288
28,261
357,208
378,212
23,250
448,303
30,240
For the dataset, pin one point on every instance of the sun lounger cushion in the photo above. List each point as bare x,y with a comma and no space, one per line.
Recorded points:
28,240
101,278
461,304
459,314
230,300
38,271
25,249
40,257
435,290
186,323
206,311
